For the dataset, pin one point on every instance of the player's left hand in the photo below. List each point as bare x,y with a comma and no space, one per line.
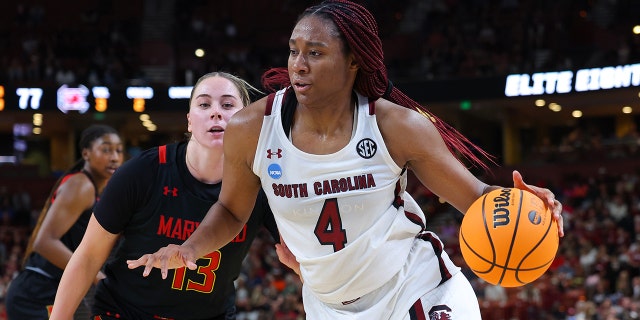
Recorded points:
546,195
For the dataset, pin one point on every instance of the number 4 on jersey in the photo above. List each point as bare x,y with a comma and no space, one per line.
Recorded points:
329,227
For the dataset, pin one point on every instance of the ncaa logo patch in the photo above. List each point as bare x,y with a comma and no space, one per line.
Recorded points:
366,148
275,171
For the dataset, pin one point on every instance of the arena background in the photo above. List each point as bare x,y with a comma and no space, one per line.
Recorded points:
476,64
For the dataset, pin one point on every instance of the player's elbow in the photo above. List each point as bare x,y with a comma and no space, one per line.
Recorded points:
40,243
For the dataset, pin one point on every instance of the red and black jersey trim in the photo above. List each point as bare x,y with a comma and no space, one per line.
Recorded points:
438,248
269,108
417,311
372,108
162,154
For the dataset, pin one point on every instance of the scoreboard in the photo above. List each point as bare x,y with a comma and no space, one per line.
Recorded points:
82,99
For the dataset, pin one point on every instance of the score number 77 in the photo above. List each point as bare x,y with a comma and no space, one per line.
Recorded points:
29,96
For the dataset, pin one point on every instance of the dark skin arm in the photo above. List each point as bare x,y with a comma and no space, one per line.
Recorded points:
74,196
419,147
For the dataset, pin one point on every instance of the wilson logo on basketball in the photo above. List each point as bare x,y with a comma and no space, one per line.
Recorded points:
501,211
535,217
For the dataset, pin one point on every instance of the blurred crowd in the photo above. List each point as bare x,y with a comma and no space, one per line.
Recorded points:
595,276
100,43
596,273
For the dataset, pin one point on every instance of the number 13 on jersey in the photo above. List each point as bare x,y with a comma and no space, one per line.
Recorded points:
206,272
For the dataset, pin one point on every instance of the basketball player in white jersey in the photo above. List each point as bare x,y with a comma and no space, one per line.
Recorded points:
331,150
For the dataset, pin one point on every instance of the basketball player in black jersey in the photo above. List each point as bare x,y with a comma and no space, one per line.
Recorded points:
62,224
159,198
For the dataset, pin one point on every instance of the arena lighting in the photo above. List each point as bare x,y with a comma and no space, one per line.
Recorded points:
37,119
540,103
576,113
101,94
7,159
199,53
1,98
180,92
627,109
139,95
636,29
555,107
566,81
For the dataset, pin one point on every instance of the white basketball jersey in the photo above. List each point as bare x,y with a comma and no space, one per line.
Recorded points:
340,214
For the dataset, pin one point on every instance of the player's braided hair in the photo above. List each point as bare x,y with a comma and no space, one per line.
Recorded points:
88,136
359,32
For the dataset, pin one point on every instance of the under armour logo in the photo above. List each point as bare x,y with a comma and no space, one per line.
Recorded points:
271,153
166,191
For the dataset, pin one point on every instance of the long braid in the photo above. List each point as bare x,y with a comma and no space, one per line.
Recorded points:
359,31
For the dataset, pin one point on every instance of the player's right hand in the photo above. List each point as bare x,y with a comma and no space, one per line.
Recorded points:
169,257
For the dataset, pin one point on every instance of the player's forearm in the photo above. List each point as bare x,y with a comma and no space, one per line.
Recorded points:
217,229
76,280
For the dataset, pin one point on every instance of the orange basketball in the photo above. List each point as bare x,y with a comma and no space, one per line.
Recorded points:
508,237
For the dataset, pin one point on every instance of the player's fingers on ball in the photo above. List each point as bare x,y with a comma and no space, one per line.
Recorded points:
560,228
546,195
557,208
517,178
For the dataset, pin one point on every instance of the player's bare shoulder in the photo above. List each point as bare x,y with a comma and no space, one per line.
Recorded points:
396,119
243,130
248,121
405,131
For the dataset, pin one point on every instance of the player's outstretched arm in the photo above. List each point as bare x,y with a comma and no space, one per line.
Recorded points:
217,228
225,218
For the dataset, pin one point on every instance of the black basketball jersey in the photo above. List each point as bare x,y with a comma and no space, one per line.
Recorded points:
71,239
152,201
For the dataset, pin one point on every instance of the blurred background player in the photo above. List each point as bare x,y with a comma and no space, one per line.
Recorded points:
62,224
